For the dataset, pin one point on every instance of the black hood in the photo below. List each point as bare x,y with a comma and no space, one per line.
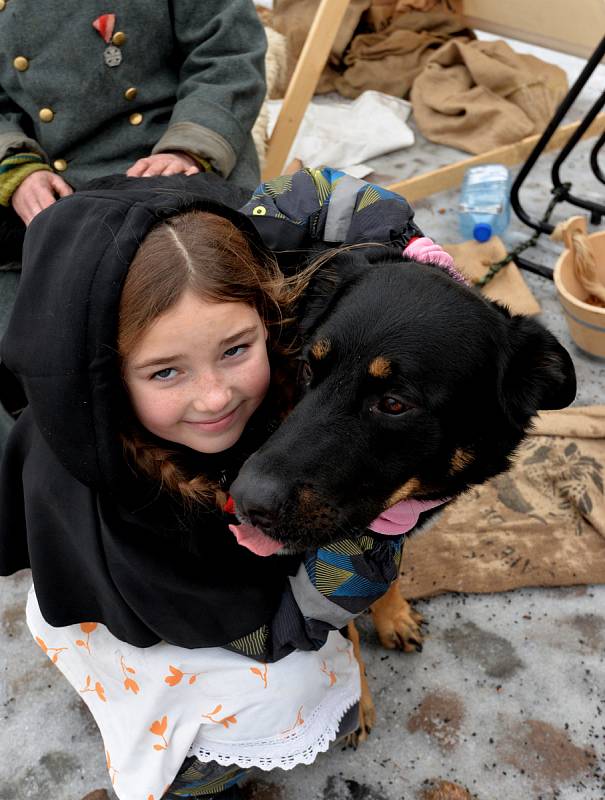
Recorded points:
61,340
104,545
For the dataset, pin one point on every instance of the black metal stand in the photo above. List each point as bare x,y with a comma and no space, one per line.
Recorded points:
594,154
562,190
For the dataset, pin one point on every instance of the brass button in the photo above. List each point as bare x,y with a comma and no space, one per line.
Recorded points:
259,211
21,63
2,5
119,38
135,119
46,114
130,93
60,165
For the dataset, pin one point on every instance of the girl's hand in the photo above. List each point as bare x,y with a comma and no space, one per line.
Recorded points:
176,163
38,191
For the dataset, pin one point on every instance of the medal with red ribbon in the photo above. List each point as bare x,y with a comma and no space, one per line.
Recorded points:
105,25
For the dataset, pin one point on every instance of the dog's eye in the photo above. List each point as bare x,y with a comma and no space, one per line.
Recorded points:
392,405
306,373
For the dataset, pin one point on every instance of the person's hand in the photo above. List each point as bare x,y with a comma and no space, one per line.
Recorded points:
176,163
38,191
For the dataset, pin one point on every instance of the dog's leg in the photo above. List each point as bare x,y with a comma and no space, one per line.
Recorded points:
367,712
396,622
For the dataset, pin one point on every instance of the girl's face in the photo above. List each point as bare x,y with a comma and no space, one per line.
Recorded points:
199,373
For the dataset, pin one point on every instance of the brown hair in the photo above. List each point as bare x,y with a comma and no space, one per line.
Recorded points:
208,255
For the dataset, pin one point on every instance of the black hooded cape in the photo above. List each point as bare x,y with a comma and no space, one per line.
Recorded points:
104,545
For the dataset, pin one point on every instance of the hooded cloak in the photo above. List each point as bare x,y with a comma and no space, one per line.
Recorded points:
103,544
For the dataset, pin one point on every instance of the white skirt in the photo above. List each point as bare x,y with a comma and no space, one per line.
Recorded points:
155,706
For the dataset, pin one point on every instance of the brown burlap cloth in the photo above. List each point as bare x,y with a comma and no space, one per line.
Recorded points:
391,59
540,524
508,286
479,95
468,94
379,46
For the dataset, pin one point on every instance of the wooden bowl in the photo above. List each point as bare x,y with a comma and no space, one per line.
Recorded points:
586,322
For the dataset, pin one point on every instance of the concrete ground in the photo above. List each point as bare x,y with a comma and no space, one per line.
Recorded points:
507,698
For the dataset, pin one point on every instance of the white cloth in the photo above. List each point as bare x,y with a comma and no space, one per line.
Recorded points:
156,705
342,133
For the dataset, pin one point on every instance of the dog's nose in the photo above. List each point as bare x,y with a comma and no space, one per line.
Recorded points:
258,499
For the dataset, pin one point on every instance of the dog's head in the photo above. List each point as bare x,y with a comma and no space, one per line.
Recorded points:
414,386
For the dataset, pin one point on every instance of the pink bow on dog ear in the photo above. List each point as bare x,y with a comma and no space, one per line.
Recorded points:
403,516
427,251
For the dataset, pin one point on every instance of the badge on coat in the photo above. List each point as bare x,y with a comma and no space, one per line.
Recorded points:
112,56
105,25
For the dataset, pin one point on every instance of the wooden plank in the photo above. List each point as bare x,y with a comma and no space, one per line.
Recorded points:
309,67
574,28
451,175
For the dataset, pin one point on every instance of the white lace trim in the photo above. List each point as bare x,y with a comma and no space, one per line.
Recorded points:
299,746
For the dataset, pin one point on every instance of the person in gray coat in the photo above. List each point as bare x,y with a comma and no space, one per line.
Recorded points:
146,89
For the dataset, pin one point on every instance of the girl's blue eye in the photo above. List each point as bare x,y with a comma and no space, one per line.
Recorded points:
236,350
164,374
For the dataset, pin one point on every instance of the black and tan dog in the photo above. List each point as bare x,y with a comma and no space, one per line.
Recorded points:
414,386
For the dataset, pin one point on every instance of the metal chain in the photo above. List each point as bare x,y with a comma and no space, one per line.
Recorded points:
559,193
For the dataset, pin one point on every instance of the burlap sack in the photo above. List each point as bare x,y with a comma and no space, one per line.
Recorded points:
390,60
293,18
381,12
508,287
541,524
381,18
479,95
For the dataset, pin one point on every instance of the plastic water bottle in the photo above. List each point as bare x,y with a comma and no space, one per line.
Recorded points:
484,208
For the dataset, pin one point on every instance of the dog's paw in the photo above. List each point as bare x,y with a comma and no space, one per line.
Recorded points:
397,624
402,630
367,719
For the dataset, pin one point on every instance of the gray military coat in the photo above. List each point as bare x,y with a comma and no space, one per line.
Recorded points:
163,75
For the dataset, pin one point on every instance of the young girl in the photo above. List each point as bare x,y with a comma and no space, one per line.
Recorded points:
146,331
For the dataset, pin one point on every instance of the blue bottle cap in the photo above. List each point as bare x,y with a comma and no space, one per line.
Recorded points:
482,231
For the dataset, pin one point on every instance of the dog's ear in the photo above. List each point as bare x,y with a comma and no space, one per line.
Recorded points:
329,284
342,269
538,372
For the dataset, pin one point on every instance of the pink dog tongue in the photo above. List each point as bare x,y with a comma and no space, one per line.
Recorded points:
255,540
402,517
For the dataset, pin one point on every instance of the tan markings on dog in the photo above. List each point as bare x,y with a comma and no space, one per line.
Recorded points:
306,498
461,460
367,711
314,509
409,488
321,348
396,622
380,367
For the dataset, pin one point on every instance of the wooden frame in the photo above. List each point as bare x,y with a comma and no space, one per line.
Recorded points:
451,175
302,85
571,26
549,23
